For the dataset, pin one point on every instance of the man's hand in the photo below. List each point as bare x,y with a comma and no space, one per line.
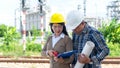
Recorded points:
83,59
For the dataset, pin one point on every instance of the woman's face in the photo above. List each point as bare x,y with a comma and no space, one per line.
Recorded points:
57,28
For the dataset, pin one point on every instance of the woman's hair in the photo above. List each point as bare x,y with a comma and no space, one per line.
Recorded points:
64,28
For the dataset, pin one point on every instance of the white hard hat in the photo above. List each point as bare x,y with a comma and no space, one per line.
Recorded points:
73,19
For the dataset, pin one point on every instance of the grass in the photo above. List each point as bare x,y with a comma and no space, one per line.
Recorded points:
114,49
17,50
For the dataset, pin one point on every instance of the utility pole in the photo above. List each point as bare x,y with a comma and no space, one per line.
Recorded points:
24,8
42,14
84,7
79,7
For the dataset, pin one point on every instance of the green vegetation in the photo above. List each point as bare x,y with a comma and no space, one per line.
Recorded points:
111,32
15,49
10,44
114,49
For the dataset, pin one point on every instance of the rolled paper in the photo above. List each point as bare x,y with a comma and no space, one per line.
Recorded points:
87,51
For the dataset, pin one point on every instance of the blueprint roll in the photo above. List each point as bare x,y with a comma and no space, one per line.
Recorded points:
87,51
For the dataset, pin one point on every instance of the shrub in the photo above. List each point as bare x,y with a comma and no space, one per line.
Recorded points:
34,47
111,31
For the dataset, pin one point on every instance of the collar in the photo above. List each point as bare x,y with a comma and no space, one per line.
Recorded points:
62,35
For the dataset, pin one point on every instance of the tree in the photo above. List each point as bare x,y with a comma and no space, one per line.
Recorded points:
10,35
111,31
3,28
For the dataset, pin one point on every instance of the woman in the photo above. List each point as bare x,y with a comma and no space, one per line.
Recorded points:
59,42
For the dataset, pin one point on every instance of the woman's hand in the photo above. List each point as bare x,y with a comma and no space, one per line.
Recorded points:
60,60
83,59
50,52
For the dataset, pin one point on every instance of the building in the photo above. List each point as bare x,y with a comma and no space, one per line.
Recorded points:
36,18
113,10
95,22
35,21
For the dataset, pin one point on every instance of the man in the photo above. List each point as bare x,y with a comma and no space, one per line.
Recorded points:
82,32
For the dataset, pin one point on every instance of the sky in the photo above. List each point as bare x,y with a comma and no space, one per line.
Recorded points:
7,8
94,8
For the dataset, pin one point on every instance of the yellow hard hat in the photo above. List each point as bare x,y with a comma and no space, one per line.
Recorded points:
57,18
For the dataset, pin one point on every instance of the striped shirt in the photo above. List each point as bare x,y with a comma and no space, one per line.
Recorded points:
100,50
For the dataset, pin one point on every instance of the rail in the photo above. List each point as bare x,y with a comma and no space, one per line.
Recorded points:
107,60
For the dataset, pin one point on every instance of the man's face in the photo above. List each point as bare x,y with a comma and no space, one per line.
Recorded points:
79,28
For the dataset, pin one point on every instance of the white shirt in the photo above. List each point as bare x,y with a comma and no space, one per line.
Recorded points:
56,39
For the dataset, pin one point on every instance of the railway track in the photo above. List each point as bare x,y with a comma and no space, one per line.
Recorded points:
108,60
